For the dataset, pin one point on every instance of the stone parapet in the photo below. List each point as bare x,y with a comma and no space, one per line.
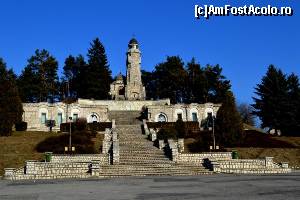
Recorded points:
248,166
58,158
198,158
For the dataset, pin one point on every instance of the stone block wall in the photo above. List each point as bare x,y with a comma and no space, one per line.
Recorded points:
198,158
58,158
248,166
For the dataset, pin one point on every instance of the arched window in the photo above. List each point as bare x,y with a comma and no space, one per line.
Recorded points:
162,118
93,118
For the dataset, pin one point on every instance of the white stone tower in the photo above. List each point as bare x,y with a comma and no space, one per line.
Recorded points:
134,88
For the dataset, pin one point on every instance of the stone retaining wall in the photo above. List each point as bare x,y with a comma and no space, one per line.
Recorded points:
248,166
57,158
198,158
53,170
48,168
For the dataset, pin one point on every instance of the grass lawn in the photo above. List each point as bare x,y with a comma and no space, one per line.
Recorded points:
19,147
287,149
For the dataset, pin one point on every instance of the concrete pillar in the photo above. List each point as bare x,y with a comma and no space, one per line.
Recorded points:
153,135
9,173
285,165
269,162
181,145
95,167
113,125
161,144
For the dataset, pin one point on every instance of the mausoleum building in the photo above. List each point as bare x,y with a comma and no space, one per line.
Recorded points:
124,97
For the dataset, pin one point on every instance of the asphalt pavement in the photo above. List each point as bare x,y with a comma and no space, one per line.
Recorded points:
186,187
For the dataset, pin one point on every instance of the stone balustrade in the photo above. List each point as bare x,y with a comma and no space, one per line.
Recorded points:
106,143
161,144
115,147
145,127
153,135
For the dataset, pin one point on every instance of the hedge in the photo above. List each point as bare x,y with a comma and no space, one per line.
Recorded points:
189,126
95,126
21,126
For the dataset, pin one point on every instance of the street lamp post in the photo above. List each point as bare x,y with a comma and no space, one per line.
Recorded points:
70,136
213,131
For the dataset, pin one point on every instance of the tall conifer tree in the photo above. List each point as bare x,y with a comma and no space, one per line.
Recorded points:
97,76
11,109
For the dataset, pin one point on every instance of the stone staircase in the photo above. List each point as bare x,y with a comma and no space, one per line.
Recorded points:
125,117
138,157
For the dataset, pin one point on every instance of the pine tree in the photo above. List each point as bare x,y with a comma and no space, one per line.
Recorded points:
229,127
11,109
292,120
97,76
39,79
271,103
149,83
218,85
171,80
197,84
28,84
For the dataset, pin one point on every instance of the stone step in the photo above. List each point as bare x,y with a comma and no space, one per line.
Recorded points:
152,171
142,155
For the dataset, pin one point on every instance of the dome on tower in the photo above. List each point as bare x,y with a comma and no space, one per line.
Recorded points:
119,77
133,41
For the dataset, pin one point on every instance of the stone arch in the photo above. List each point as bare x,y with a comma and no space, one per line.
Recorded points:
177,114
60,116
75,114
208,110
43,115
93,117
192,111
161,117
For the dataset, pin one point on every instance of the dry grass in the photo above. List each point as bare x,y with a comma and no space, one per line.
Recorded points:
291,155
16,149
281,154
20,147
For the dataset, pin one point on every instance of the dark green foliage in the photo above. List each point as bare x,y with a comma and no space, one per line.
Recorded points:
81,140
11,108
39,80
277,102
188,126
149,83
197,83
74,70
186,84
228,123
96,77
167,133
174,130
171,79
203,140
96,126
260,140
21,126
180,129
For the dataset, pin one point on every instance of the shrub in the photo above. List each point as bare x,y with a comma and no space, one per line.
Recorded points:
82,125
81,140
21,126
98,126
167,133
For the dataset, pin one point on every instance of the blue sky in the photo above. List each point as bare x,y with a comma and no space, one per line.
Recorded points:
243,46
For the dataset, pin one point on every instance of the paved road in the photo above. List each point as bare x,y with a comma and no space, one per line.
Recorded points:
189,187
